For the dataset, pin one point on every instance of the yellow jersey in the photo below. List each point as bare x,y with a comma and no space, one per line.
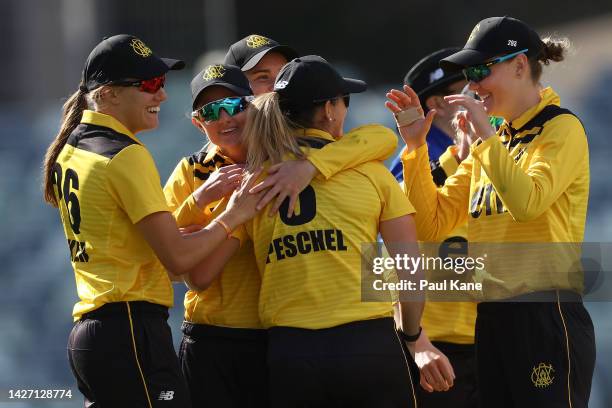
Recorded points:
444,321
311,263
528,184
232,298
106,182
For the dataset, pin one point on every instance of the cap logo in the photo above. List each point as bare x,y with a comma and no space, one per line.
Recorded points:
214,72
281,85
474,32
140,48
256,41
434,76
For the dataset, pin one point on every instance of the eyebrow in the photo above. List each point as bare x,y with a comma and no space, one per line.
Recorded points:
259,71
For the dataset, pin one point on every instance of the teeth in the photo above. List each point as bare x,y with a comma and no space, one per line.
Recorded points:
228,130
153,110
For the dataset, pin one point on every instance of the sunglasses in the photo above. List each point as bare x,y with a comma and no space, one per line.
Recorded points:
212,110
477,73
151,85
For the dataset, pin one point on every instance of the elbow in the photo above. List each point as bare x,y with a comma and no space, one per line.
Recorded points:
177,265
525,214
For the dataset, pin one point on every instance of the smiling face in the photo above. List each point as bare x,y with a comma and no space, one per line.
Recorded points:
226,132
502,88
261,77
138,110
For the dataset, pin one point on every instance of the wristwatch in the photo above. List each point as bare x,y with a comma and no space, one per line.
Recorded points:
410,338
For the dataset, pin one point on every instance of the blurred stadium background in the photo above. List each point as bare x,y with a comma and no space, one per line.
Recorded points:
45,43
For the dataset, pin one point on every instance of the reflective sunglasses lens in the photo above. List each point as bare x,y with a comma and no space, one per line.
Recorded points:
476,73
152,85
212,111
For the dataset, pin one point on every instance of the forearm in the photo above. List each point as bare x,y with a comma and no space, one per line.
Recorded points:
178,253
360,145
438,212
190,213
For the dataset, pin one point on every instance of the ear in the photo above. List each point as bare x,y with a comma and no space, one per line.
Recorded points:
521,65
110,94
329,111
198,125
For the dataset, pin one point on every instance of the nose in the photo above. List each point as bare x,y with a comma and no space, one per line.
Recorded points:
161,95
473,86
224,116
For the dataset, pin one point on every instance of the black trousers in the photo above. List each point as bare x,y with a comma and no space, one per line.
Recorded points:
122,355
464,392
360,364
225,367
534,354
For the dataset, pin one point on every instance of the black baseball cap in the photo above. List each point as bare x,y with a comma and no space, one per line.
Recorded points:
122,57
426,77
247,52
306,80
227,76
493,37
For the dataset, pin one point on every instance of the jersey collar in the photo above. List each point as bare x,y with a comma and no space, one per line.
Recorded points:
100,119
312,132
213,151
548,97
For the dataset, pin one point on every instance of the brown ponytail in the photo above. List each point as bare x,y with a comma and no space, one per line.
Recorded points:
554,50
71,117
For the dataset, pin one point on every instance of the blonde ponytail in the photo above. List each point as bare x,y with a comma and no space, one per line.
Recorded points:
268,134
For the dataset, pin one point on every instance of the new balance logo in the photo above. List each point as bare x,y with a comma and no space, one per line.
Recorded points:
166,396
281,85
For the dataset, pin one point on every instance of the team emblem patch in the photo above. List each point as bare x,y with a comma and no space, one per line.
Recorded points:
140,48
256,41
213,72
474,32
542,375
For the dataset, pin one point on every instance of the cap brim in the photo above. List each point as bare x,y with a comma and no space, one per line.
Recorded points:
353,86
440,85
463,58
288,52
236,89
173,64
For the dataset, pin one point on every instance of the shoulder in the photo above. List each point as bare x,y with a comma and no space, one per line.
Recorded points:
100,140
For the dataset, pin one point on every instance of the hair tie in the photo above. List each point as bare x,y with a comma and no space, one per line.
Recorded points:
83,88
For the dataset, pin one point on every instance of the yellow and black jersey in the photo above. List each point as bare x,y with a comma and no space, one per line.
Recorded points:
444,321
528,184
106,182
232,298
311,262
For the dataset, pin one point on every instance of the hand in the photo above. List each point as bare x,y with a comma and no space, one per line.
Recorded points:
220,184
464,135
437,373
476,116
286,179
414,134
242,204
